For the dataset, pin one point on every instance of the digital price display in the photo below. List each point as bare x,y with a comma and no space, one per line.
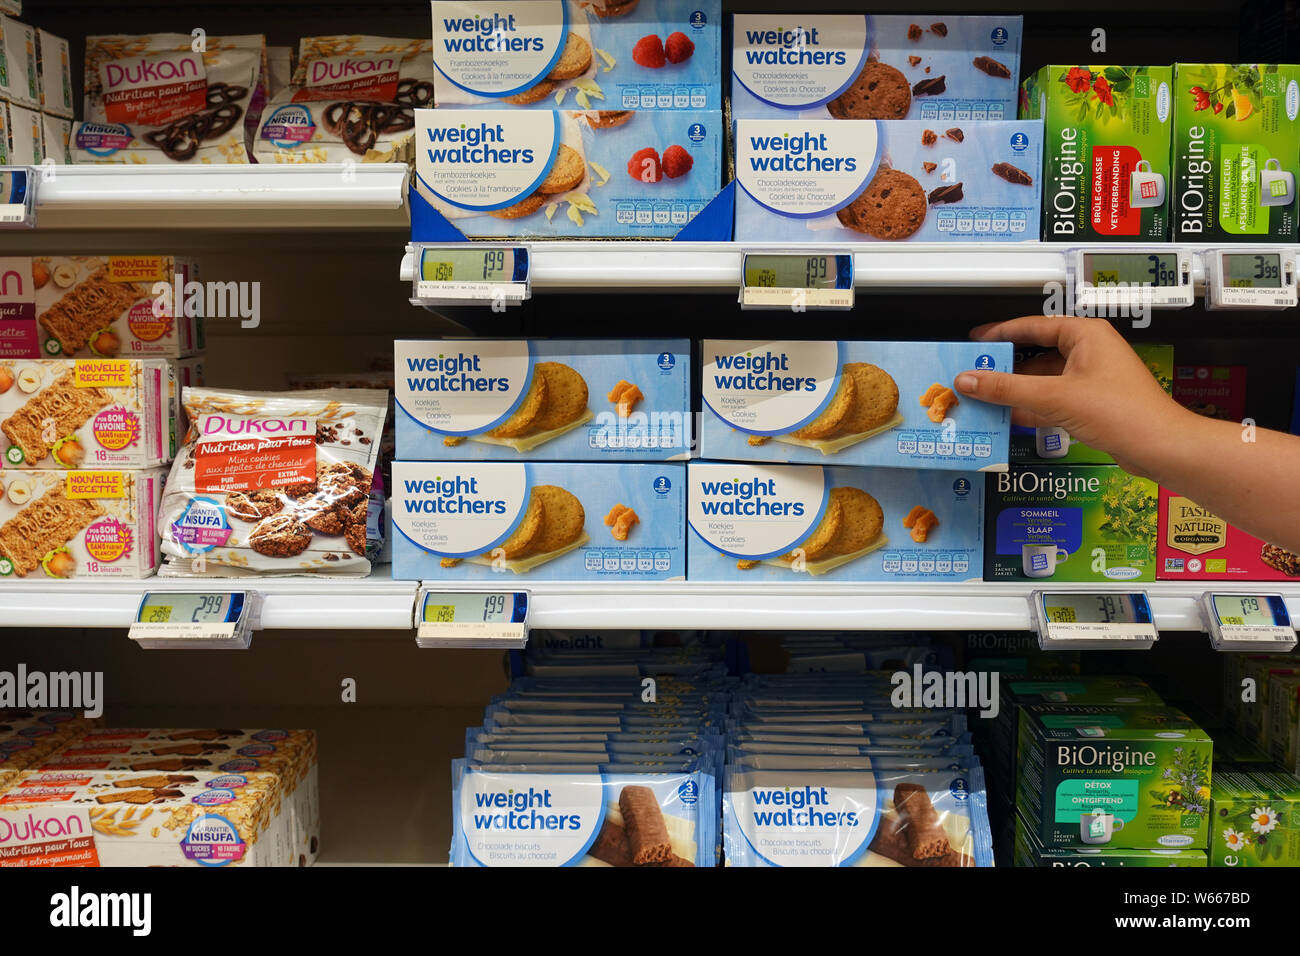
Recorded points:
471,275
1093,619
468,265
1159,269
1252,270
1248,622
1154,278
1250,279
814,280
195,619
472,619
18,197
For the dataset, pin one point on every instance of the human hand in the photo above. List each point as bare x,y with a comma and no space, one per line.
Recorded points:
1095,386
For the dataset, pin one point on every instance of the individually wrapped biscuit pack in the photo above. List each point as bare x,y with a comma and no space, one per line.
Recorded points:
273,483
154,98
352,99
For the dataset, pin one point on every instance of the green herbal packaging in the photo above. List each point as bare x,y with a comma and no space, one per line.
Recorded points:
1029,852
1236,151
1283,738
1110,775
1106,172
1253,819
1069,523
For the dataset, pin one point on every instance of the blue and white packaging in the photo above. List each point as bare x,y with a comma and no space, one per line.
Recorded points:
856,818
563,174
765,524
852,403
916,66
578,54
523,399
513,522
578,819
832,181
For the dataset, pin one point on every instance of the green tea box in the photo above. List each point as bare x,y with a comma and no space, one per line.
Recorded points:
1253,819
1106,150
1236,151
1111,775
1069,523
1029,852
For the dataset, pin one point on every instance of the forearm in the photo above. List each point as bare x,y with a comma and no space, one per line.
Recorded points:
1247,478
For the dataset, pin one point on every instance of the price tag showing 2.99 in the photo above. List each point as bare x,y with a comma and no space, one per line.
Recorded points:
189,620
471,275
472,619
797,281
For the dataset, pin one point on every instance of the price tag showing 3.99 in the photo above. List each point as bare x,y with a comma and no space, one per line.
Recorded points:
205,621
1250,279
797,281
472,619
1094,620
471,275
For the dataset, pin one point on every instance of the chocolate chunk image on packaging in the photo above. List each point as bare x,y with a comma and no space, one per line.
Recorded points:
152,98
352,98
271,482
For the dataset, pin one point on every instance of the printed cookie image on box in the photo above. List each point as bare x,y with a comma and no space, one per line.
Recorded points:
519,522
797,523
858,66
578,54
593,174
558,400
868,181
851,403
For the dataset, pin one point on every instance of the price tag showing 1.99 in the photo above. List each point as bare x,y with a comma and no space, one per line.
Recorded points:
471,275
472,619
797,281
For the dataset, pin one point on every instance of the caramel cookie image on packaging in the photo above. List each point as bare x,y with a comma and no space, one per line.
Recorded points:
574,61
521,540
522,420
879,92
556,402
893,206
280,536
566,396
829,421
564,519
865,404
816,544
863,522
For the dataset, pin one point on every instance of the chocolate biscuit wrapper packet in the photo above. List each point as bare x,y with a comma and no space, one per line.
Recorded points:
352,99
154,98
877,817
273,483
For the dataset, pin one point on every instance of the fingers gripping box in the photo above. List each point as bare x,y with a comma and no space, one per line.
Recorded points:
800,523
592,174
859,66
862,180
506,521
851,403
561,400
544,54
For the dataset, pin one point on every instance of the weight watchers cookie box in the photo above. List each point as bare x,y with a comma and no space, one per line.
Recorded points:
578,54
858,66
593,174
561,400
851,403
510,522
776,524
812,180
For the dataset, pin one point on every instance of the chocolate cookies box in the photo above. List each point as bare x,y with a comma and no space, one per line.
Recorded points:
563,400
796,524
594,174
578,54
863,66
851,403
507,521
811,180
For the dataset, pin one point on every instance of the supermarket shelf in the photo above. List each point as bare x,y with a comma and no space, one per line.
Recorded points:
205,197
715,266
374,603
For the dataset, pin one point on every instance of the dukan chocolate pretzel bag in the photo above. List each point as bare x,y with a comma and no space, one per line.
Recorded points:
154,98
352,98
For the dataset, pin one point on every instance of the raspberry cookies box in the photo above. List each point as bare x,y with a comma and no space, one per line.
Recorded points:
831,181
578,54
797,524
860,66
561,174
512,523
561,400
1195,545
851,403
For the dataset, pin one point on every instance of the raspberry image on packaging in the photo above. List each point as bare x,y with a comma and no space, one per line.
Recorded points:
645,165
677,162
678,47
649,52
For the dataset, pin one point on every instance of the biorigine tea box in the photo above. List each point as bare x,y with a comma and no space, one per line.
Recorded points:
1254,819
1236,151
1105,151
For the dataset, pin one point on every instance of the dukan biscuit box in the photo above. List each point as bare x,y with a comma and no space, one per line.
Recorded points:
1197,545
511,522
1236,151
578,54
831,181
79,524
593,174
851,403
560,400
863,66
87,413
1070,523
798,524
1106,169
